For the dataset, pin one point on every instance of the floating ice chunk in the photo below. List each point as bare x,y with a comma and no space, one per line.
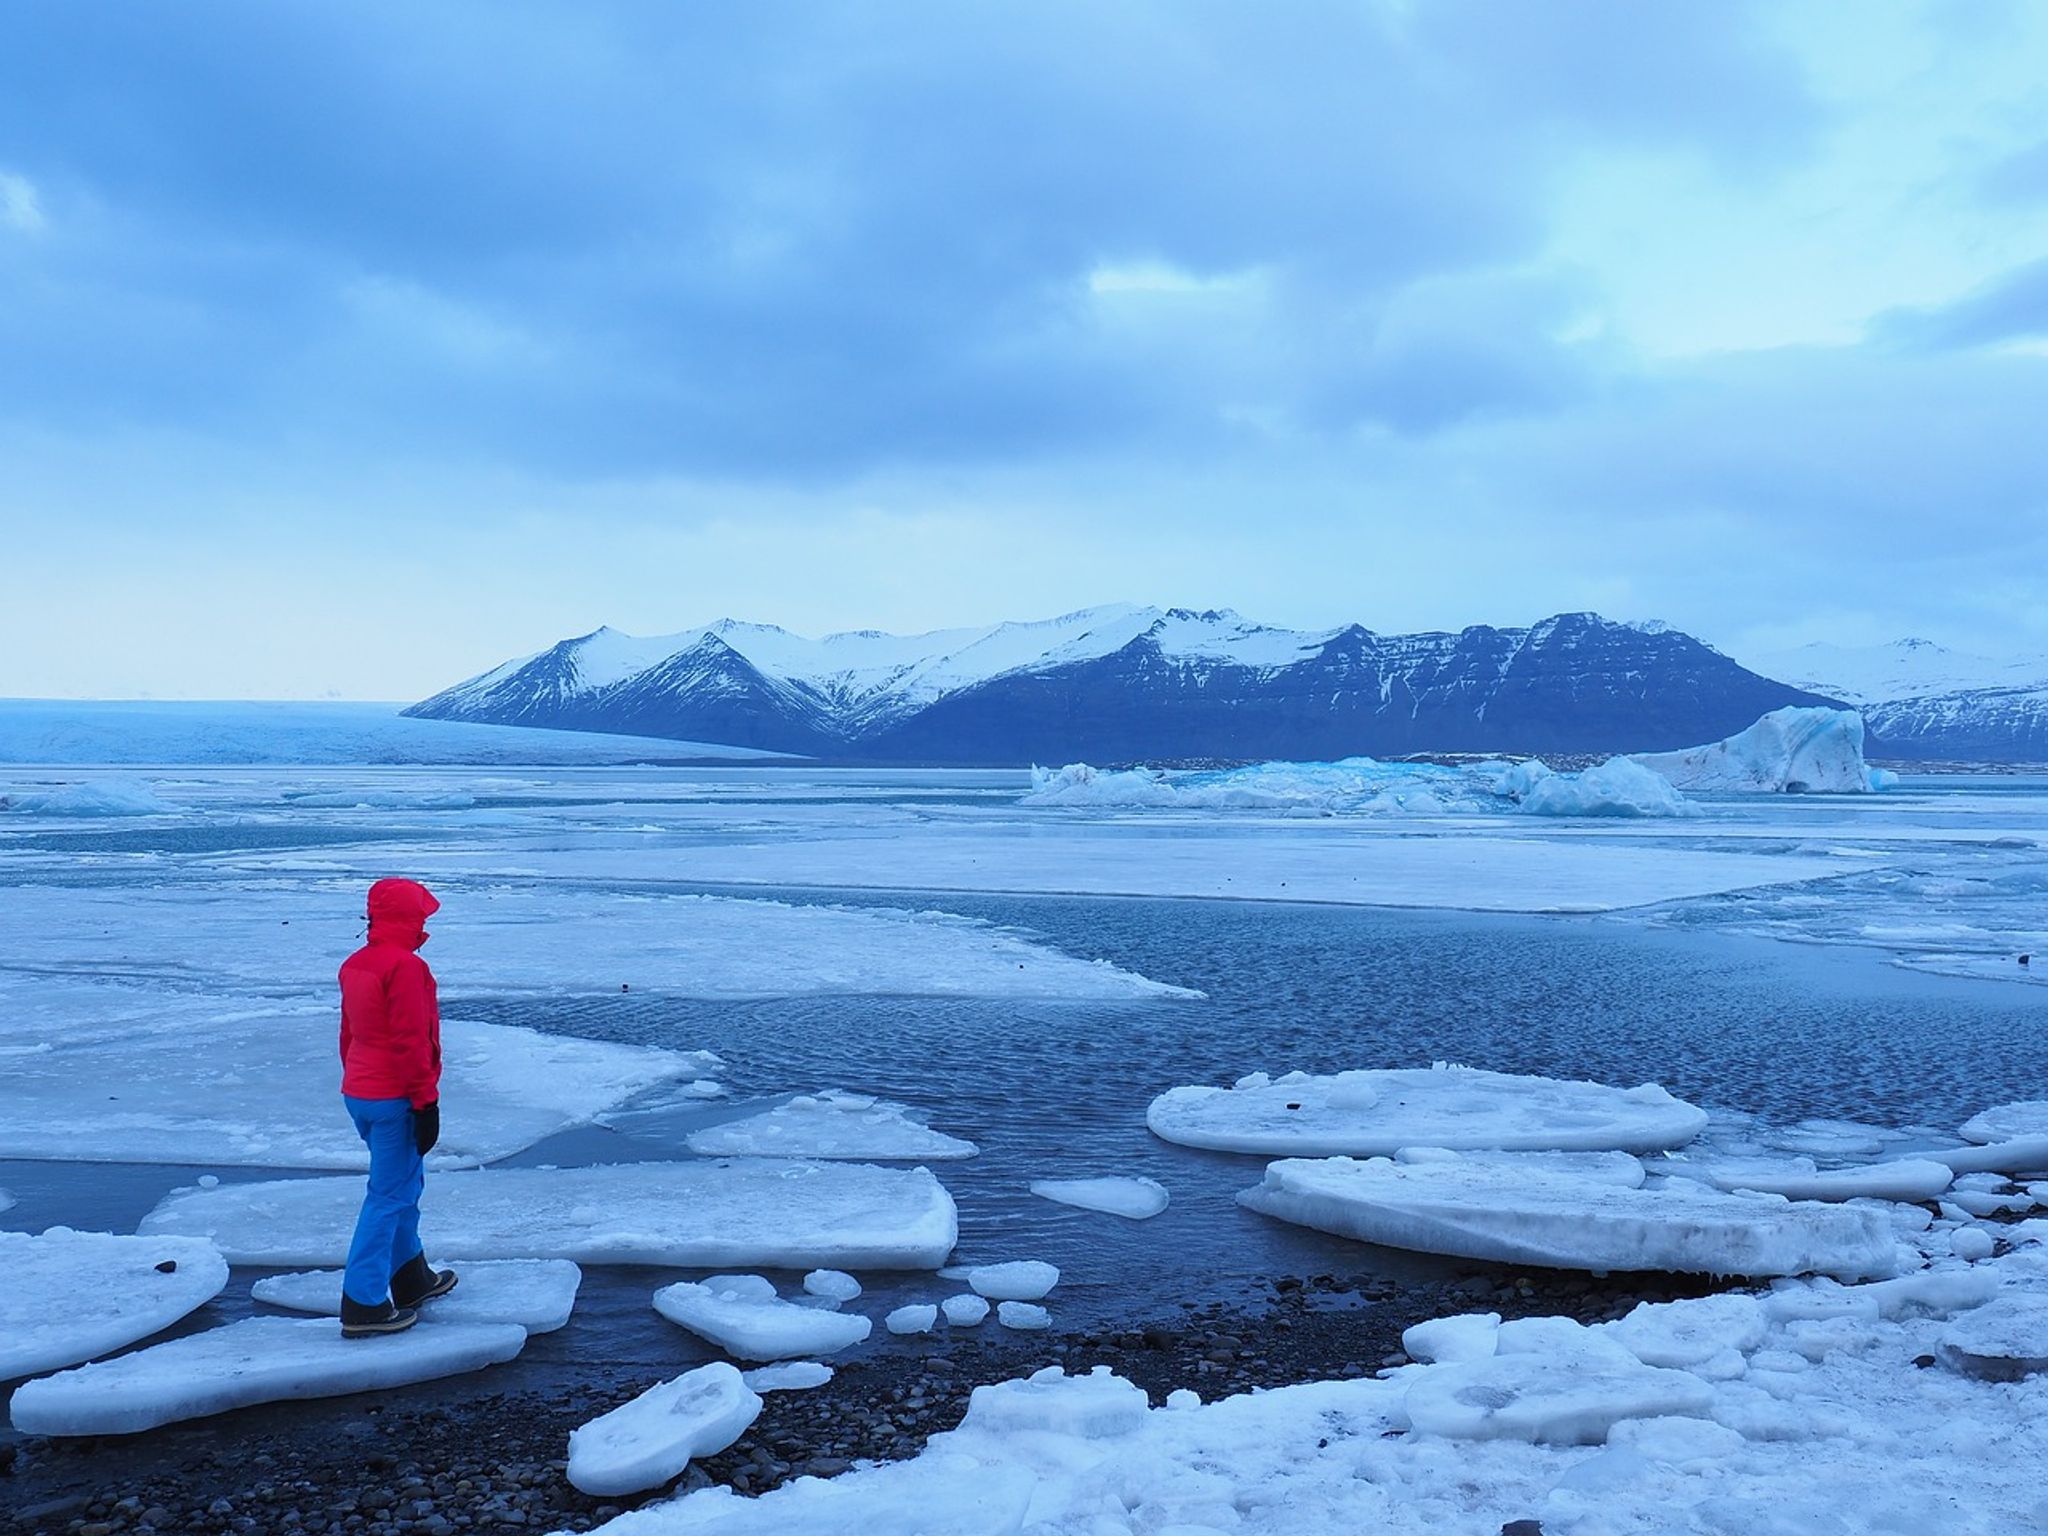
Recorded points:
257,1360
919,1317
1484,1211
109,795
1098,1406
704,1088
832,1284
68,1296
1617,787
1536,1398
753,1327
787,1376
1453,1340
834,1125
2023,1154
2009,1122
1019,1280
537,1294
1910,1179
2002,1340
1139,1199
1025,1316
6,1201
1793,749
1448,1107
763,1211
964,1311
650,1440
1691,1332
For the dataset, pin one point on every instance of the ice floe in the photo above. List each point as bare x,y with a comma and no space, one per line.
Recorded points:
1800,1179
649,1441
100,796
257,1360
1792,749
537,1294
787,1376
835,1124
1018,1280
69,1296
1137,1198
2002,1340
1365,1114
1486,1211
918,1317
112,1073
766,1211
2027,1119
743,1316
1025,1316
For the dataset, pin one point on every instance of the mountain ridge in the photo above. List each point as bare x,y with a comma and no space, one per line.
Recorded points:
1122,682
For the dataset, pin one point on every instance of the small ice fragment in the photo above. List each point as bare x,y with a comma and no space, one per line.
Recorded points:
1972,1243
919,1317
650,1440
1019,1280
1023,1315
1139,1199
833,1284
1098,1406
1182,1399
964,1311
754,1328
1469,1336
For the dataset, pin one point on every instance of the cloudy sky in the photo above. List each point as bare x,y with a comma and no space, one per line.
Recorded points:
350,349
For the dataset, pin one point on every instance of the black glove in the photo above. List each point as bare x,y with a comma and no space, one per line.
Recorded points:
426,1126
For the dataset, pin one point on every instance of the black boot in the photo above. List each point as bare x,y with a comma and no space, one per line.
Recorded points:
415,1282
361,1321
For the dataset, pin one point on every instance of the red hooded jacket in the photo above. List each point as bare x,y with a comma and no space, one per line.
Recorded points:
390,1015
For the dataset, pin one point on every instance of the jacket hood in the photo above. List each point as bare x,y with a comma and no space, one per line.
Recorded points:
399,910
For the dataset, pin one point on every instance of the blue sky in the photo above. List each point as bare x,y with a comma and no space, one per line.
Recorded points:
352,349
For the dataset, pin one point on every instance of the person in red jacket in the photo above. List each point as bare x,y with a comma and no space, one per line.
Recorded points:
391,1083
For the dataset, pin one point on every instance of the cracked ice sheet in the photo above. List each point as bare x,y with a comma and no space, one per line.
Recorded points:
492,939
109,1073
1477,871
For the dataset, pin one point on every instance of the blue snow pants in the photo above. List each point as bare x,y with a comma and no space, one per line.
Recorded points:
388,1230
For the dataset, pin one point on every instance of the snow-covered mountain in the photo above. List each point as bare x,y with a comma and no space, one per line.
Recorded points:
1904,669
1126,683
1920,699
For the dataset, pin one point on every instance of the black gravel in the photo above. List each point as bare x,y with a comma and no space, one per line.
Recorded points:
380,1465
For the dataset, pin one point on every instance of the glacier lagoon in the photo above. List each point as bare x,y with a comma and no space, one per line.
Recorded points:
905,934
